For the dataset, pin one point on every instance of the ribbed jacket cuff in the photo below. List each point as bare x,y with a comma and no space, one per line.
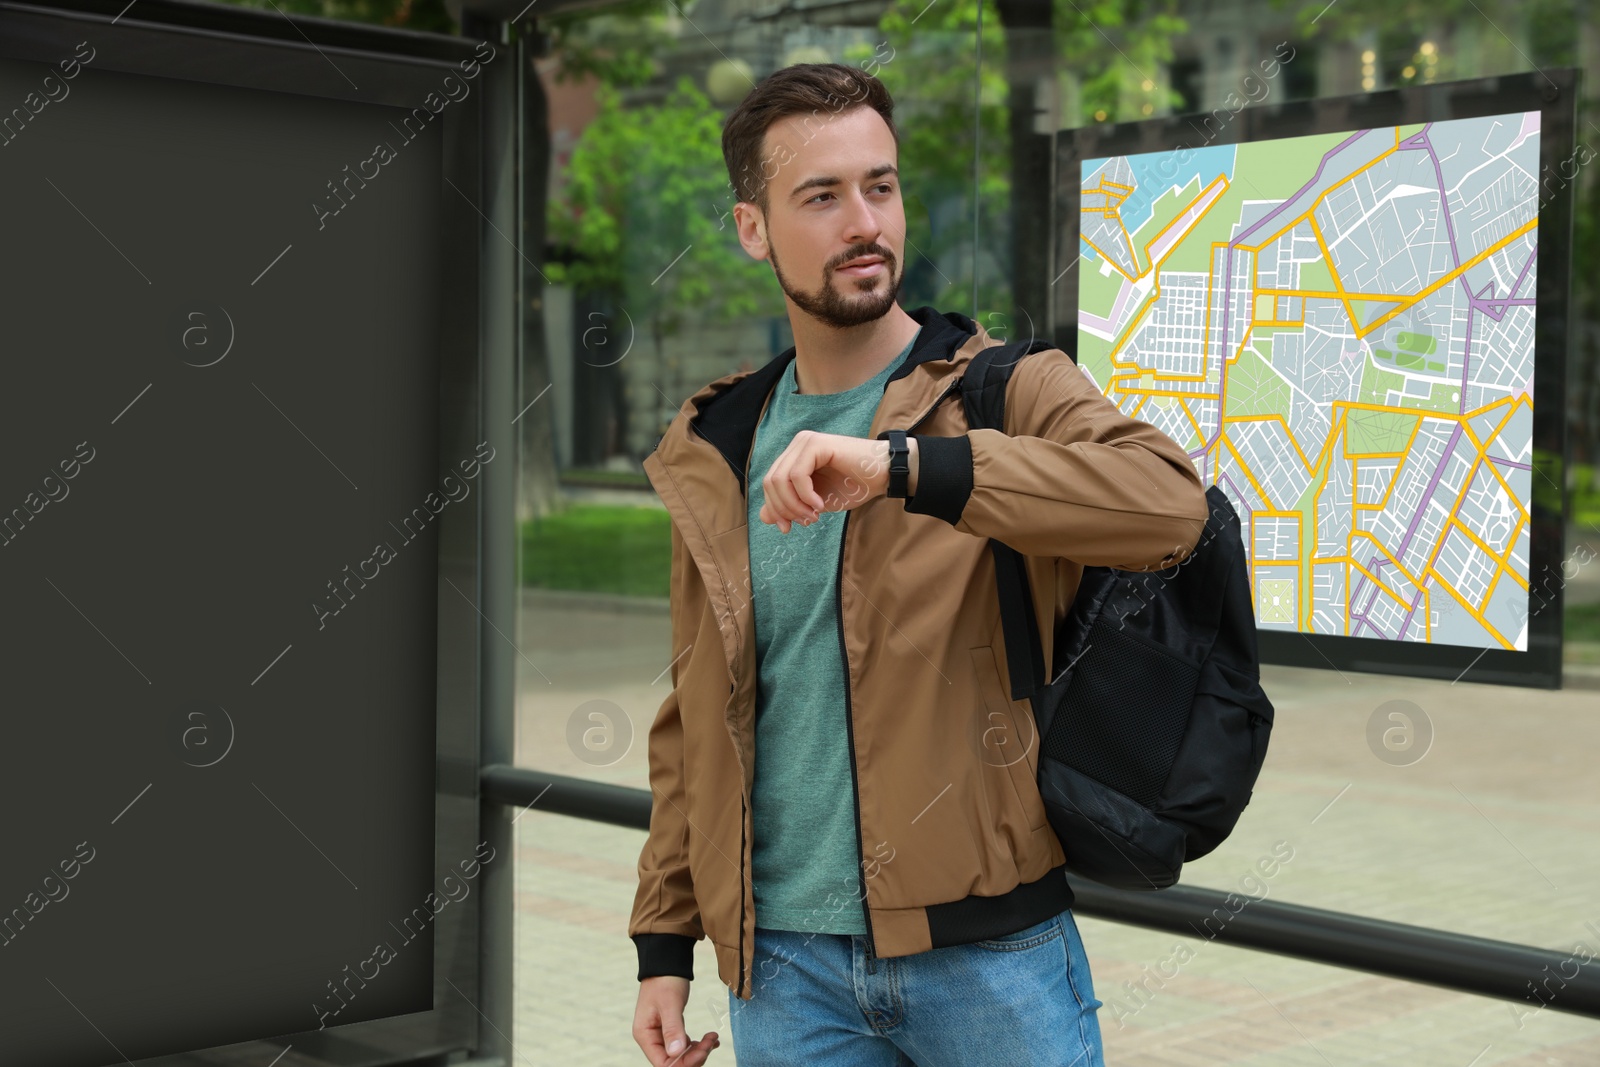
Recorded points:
944,477
665,954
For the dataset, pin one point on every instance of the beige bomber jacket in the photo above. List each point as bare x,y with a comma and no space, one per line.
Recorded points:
952,834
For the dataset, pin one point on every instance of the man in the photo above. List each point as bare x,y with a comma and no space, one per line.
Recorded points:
843,789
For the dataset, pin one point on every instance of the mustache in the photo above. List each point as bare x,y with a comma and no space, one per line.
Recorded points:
857,251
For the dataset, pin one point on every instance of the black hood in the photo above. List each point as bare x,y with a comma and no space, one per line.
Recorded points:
728,418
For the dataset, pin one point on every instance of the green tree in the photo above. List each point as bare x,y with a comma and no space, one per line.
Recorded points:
945,105
642,215
1117,51
617,45
1399,28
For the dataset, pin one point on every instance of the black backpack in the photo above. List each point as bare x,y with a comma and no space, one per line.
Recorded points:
1154,729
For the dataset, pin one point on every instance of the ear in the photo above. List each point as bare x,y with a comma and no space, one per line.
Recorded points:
748,220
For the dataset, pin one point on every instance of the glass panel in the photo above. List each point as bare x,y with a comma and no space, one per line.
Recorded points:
646,296
1476,810
1166,1000
1171,1001
1452,805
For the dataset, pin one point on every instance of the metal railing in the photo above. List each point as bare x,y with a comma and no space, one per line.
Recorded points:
1501,969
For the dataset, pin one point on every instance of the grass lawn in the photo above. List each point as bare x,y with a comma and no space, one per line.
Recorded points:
599,548
1582,622
1585,497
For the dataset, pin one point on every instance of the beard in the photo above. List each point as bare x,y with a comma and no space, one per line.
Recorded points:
828,306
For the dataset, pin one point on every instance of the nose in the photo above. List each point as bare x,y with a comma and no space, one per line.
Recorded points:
863,224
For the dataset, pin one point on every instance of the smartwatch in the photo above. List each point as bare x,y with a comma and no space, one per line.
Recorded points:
899,462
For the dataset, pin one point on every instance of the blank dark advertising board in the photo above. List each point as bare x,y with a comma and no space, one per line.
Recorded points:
219,490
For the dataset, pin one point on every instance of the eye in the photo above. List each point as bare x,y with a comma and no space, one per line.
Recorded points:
887,187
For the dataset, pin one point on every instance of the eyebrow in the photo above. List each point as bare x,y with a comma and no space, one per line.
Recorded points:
825,181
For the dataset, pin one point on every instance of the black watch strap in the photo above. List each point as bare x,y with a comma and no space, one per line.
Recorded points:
899,463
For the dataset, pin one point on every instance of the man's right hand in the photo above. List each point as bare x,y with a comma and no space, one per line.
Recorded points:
658,1024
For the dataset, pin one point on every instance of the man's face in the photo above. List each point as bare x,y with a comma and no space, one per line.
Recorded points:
833,214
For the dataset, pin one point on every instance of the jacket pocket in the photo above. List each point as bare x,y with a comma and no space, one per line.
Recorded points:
1005,743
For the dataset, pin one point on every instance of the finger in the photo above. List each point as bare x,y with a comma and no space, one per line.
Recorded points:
778,513
698,1052
769,514
677,1039
805,473
799,478
805,494
799,473
654,1049
780,488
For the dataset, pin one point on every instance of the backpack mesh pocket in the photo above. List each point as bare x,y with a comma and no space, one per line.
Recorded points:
1124,713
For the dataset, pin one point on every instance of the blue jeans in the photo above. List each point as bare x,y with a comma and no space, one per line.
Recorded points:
1022,1000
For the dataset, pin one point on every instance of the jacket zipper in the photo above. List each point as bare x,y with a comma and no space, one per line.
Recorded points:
743,815
849,724
850,733
953,387
849,718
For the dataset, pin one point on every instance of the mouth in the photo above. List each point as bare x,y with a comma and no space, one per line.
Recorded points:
863,267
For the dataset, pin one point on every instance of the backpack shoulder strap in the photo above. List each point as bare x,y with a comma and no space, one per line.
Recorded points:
983,395
983,383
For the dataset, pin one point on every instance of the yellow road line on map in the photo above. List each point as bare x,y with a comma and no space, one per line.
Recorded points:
1388,491
1396,597
1390,556
1531,224
1109,261
1471,610
1270,417
1500,426
1306,214
1438,547
1155,293
1221,179
1341,408
1511,545
1483,546
1494,469
1246,468
1395,474
1350,312
1169,392
1198,432
1325,295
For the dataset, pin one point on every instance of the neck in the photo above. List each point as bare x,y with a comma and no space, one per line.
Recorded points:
830,360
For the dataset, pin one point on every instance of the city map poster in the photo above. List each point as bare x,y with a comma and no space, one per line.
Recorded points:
1340,330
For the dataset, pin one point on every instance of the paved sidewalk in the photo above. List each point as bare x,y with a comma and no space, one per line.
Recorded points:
1494,832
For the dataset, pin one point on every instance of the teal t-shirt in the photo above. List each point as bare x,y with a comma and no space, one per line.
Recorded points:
805,858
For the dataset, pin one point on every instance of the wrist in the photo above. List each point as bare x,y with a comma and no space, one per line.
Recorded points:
894,459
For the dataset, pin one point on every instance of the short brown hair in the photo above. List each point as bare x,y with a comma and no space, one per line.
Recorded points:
802,89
